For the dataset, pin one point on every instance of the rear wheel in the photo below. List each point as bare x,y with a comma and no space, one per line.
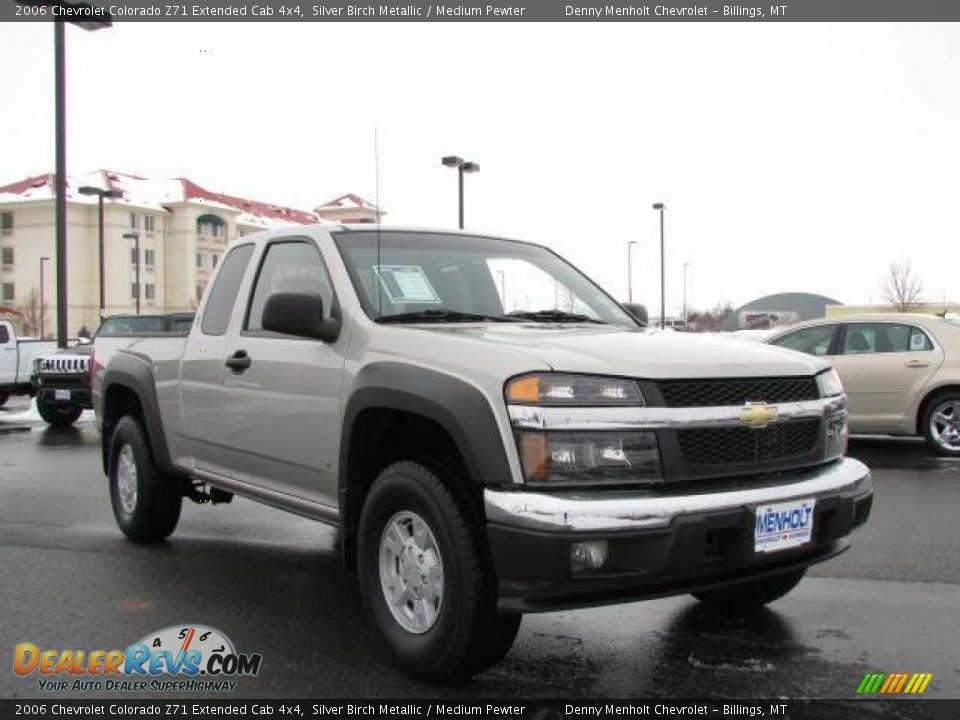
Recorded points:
941,424
424,582
146,503
751,594
58,415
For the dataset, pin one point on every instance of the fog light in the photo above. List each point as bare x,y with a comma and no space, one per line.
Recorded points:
588,555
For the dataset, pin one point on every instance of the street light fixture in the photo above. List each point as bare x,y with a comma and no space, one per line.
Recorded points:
97,18
43,309
462,166
135,236
630,244
663,276
101,194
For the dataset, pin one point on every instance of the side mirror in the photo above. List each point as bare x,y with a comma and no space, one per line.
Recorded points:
300,314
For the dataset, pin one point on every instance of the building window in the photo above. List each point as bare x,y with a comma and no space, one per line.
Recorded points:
133,256
215,258
148,223
6,223
199,260
148,291
134,221
7,256
200,289
8,294
133,291
148,257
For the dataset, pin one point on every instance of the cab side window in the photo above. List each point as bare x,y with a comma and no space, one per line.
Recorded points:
862,338
289,266
223,295
812,340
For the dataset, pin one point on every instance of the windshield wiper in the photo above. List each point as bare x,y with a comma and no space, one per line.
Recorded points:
440,315
558,316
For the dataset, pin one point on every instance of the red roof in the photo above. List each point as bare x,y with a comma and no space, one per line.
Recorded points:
28,184
193,191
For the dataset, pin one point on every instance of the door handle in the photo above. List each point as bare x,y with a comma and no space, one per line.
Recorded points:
239,361
917,364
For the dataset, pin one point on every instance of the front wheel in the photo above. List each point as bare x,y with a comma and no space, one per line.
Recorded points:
58,415
751,594
424,582
941,424
146,503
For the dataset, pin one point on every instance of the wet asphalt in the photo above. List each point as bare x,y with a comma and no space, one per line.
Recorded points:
272,582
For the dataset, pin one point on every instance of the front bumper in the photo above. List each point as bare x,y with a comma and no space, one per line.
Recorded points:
660,544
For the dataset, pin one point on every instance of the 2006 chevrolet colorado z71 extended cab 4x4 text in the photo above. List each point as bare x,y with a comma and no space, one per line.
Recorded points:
489,430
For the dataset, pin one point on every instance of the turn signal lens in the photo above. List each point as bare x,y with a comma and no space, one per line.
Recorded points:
557,389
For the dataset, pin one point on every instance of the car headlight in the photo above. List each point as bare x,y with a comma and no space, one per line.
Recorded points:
560,389
829,383
589,458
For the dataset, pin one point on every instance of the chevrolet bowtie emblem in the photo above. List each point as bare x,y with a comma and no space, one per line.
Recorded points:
758,414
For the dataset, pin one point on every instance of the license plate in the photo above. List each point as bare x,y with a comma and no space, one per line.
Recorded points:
783,525
61,394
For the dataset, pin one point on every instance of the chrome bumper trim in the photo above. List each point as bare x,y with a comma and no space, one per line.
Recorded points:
612,510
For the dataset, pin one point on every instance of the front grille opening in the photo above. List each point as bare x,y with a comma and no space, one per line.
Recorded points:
732,445
718,393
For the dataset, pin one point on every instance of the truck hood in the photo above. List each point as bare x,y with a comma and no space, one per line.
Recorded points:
651,354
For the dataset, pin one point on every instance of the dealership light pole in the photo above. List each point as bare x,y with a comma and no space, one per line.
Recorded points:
101,194
630,244
95,19
686,266
663,276
462,166
135,236
43,309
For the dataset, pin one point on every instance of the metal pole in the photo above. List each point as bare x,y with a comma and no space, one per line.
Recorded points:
685,266
138,271
103,292
460,173
60,111
42,309
663,279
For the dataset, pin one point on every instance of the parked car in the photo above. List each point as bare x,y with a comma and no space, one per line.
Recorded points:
901,372
62,380
480,462
17,356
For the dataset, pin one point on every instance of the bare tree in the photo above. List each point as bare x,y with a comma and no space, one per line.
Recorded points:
901,287
32,312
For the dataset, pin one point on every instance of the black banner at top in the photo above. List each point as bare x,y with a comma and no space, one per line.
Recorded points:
473,11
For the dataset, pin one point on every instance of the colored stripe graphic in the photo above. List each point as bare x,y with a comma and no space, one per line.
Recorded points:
894,684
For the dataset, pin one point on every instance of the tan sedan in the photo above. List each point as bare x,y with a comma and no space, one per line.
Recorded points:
901,372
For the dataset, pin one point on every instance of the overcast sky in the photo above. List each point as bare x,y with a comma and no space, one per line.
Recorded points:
791,157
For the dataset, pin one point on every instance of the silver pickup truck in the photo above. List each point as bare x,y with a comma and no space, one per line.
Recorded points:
491,433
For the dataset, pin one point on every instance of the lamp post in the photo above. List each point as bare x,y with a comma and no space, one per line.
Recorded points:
630,244
43,309
686,266
135,236
663,276
101,194
462,166
97,18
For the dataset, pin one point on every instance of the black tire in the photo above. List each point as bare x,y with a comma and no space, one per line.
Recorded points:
468,634
155,508
3,399
58,415
948,401
752,594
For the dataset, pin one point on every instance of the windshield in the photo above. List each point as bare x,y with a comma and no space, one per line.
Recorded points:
142,325
434,277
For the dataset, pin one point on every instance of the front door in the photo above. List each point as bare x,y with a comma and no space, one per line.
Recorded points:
282,410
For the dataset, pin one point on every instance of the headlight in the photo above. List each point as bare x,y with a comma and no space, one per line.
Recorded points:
558,389
589,458
829,383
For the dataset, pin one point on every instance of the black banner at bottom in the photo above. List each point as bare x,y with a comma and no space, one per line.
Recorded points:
535,709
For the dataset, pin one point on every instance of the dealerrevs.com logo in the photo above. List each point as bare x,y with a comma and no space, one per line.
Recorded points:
187,658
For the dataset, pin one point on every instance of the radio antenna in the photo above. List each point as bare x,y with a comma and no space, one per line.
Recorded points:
376,161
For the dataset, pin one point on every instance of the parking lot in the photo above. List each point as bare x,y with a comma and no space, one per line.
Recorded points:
273,583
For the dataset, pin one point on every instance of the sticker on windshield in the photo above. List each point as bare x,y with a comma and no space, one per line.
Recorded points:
406,284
